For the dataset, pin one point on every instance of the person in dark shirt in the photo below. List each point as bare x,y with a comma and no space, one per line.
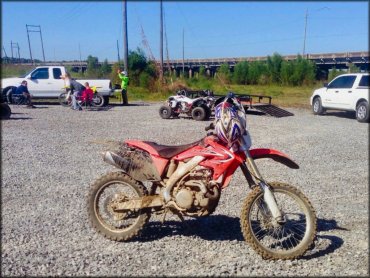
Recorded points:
75,88
23,90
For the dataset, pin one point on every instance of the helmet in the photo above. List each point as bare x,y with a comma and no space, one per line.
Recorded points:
231,121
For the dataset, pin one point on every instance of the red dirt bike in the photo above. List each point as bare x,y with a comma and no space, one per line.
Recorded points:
277,219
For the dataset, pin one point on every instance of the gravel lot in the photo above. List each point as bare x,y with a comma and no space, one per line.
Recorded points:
48,163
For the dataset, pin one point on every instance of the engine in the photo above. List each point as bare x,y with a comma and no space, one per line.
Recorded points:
196,194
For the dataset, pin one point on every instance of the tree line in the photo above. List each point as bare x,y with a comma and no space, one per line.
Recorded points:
144,73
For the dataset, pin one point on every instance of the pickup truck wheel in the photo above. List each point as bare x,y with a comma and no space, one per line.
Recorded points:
98,100
362,112
317,108
165,112
5,111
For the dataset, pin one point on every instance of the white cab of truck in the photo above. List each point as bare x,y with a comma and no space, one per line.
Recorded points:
45,82
348,92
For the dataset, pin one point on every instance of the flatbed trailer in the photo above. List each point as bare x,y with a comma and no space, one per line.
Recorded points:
263,104
260,103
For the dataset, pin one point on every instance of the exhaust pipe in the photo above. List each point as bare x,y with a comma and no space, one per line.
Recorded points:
138,167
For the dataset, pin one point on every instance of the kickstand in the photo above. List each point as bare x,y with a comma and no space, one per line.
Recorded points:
179,215
164,215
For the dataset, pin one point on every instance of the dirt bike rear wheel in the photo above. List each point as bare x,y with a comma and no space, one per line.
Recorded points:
98,100
279,241
63,101
118,226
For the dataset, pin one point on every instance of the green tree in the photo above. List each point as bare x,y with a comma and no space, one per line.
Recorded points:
92,69
223,73
257,71
137,63
240,75
274,66
353,69
105,69
334,73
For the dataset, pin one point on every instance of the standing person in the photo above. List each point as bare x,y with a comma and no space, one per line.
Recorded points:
124,79
75,88
23,90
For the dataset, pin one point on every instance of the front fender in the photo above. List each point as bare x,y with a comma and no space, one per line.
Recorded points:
275,155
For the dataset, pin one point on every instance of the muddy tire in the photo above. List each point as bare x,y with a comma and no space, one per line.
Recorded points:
5,111
289,240
118,226
199,113
165,112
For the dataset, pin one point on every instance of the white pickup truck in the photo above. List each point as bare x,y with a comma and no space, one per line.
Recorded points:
45,82
349,92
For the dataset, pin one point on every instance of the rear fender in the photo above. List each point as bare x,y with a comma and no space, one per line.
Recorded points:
275,155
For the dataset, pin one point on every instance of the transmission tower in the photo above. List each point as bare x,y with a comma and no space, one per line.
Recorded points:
31,29
14,45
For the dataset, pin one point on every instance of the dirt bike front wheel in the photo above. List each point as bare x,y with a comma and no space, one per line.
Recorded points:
288,239
113,188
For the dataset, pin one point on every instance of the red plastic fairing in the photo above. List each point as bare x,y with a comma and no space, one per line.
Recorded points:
275,155
159,162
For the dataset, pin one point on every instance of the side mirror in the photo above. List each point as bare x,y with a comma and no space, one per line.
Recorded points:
325,84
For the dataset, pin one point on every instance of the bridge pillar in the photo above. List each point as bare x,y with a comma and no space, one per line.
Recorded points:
208,72
190,73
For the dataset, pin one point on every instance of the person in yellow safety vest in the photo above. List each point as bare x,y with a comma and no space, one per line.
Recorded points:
124,79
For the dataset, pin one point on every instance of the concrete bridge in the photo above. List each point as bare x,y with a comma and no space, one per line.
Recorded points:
324,62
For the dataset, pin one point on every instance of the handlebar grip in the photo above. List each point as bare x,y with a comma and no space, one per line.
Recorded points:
211,126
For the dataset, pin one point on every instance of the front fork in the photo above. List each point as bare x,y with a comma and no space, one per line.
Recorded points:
253,177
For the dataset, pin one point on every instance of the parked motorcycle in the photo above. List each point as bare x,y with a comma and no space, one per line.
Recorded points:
277,219
65,98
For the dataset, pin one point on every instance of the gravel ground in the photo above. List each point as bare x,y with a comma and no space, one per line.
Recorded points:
49,161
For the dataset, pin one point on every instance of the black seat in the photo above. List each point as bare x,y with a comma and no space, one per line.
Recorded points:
170,151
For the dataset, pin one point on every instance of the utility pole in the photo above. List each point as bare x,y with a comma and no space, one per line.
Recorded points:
183,53
125,41
161,42
305,31
16,46
36,31
79,52
29,44
118,53
6,56
11,48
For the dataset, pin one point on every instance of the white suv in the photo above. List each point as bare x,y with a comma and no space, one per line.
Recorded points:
349,92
